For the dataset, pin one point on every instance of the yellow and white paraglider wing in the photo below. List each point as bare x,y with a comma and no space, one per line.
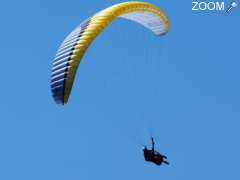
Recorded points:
76,43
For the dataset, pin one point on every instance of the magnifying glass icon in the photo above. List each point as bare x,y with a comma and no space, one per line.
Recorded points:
231,6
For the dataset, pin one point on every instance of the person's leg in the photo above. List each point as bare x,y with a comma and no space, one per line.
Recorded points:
165,162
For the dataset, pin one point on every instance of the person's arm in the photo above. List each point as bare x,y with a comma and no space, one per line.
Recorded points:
153,145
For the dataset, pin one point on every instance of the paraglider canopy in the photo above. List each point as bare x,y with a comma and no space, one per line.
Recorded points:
76,43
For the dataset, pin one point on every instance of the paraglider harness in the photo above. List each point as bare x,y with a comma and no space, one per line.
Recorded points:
153,156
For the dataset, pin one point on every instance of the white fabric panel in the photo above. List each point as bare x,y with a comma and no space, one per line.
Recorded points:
147,19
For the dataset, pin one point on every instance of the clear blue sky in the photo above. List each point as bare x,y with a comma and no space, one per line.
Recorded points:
182,88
